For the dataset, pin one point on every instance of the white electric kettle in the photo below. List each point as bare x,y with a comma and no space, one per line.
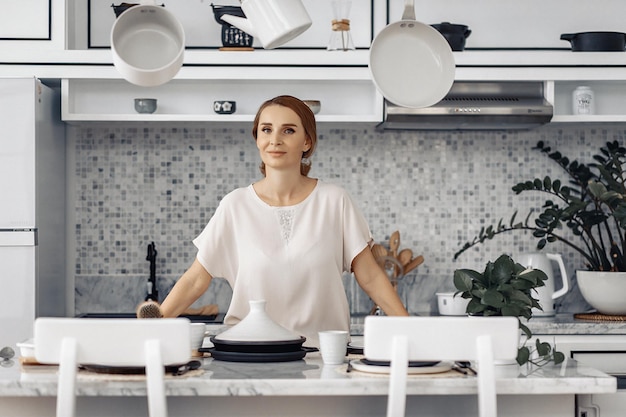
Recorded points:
546,294
273,22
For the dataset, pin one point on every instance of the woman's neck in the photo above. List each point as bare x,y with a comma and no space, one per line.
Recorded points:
284,190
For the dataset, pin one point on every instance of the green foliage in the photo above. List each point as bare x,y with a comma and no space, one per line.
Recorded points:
592,205
506,288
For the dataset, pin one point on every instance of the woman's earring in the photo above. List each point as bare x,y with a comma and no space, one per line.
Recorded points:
306,161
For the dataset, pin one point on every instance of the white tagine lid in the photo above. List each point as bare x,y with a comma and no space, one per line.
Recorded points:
257,326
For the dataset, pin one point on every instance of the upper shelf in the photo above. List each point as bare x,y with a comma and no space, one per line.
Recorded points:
207,64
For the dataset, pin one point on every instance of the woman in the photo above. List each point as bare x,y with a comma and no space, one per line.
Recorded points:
287,238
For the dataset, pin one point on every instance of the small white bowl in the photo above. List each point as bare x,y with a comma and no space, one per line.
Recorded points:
314,105
449,305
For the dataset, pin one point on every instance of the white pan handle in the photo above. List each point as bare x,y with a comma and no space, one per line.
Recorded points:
409,10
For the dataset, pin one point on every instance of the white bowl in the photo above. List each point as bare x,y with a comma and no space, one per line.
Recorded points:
605,291
145,105
449,305
314,105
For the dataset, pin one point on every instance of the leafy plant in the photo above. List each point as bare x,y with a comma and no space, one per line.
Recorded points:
592,207
505,288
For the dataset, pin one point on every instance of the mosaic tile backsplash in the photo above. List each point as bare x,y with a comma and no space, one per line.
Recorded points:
136,185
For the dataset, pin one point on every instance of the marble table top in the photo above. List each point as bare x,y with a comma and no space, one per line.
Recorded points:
307,377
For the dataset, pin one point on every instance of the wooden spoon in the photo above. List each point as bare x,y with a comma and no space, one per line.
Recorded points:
413,264
394,243
405,257
379,251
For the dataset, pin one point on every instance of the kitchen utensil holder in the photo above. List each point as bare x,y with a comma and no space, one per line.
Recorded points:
232,37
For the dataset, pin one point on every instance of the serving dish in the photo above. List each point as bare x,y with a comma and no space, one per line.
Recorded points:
439,367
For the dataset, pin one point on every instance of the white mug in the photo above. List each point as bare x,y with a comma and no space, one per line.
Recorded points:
272,22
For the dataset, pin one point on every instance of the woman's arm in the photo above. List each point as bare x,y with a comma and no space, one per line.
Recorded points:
373,280
191,285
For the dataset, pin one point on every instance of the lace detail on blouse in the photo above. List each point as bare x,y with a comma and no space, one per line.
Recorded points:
285,220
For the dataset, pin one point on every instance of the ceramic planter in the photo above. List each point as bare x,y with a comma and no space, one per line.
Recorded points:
605,291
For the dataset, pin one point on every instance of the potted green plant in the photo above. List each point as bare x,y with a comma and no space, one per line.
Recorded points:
505,288
592,206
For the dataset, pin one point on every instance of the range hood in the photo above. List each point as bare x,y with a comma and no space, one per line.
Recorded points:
472,105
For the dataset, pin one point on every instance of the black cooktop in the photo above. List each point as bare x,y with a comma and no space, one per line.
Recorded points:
212,319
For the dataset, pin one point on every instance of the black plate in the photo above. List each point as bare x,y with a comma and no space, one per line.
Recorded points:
277,346
258,356
139,370
387,363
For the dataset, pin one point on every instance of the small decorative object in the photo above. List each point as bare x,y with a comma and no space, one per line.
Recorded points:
232,37
506,288
314,105
340,37
582,100
145,105
224,107
592,206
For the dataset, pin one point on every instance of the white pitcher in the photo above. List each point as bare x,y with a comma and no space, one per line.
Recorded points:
546,294
273,22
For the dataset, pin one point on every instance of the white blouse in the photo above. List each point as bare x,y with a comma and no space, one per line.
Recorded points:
293,257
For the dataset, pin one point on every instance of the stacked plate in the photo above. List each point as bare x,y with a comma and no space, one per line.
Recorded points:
257,338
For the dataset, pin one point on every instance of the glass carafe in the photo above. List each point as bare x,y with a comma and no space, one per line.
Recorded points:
340,37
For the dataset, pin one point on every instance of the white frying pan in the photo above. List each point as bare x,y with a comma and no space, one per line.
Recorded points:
411,63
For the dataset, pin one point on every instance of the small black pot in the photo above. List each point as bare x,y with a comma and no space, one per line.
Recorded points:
596,41
122,7
455,34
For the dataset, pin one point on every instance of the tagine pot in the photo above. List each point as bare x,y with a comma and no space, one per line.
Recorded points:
604,291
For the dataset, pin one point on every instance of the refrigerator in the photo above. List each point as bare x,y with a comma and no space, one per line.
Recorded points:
33,275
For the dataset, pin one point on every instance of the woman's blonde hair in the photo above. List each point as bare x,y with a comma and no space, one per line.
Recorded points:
308,123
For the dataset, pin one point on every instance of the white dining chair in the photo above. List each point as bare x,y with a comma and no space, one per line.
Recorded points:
69,342
404,339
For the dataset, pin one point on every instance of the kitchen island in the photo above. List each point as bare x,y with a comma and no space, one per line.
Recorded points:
304,388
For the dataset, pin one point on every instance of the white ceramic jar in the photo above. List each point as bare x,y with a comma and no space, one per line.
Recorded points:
583,100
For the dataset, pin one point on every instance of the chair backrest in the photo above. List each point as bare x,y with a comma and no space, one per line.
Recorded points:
440,338
152,343
404,339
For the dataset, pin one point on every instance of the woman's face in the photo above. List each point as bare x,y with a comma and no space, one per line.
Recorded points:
281,139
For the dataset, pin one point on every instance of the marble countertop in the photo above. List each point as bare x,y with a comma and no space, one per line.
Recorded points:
307,377
560,324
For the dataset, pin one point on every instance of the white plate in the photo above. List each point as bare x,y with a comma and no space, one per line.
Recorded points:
413,370
356,342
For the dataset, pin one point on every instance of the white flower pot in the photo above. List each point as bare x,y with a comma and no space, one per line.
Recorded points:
605,291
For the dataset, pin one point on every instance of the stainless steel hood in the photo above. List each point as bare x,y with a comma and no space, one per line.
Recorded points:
472,105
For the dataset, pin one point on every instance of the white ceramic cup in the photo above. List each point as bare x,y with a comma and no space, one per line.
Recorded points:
333,346
197,337
272,22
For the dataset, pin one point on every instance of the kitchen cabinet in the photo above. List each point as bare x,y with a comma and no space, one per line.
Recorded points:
203,31
32,24
605,352
496,50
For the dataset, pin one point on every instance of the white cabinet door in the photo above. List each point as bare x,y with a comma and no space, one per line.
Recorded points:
17,153
25,19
